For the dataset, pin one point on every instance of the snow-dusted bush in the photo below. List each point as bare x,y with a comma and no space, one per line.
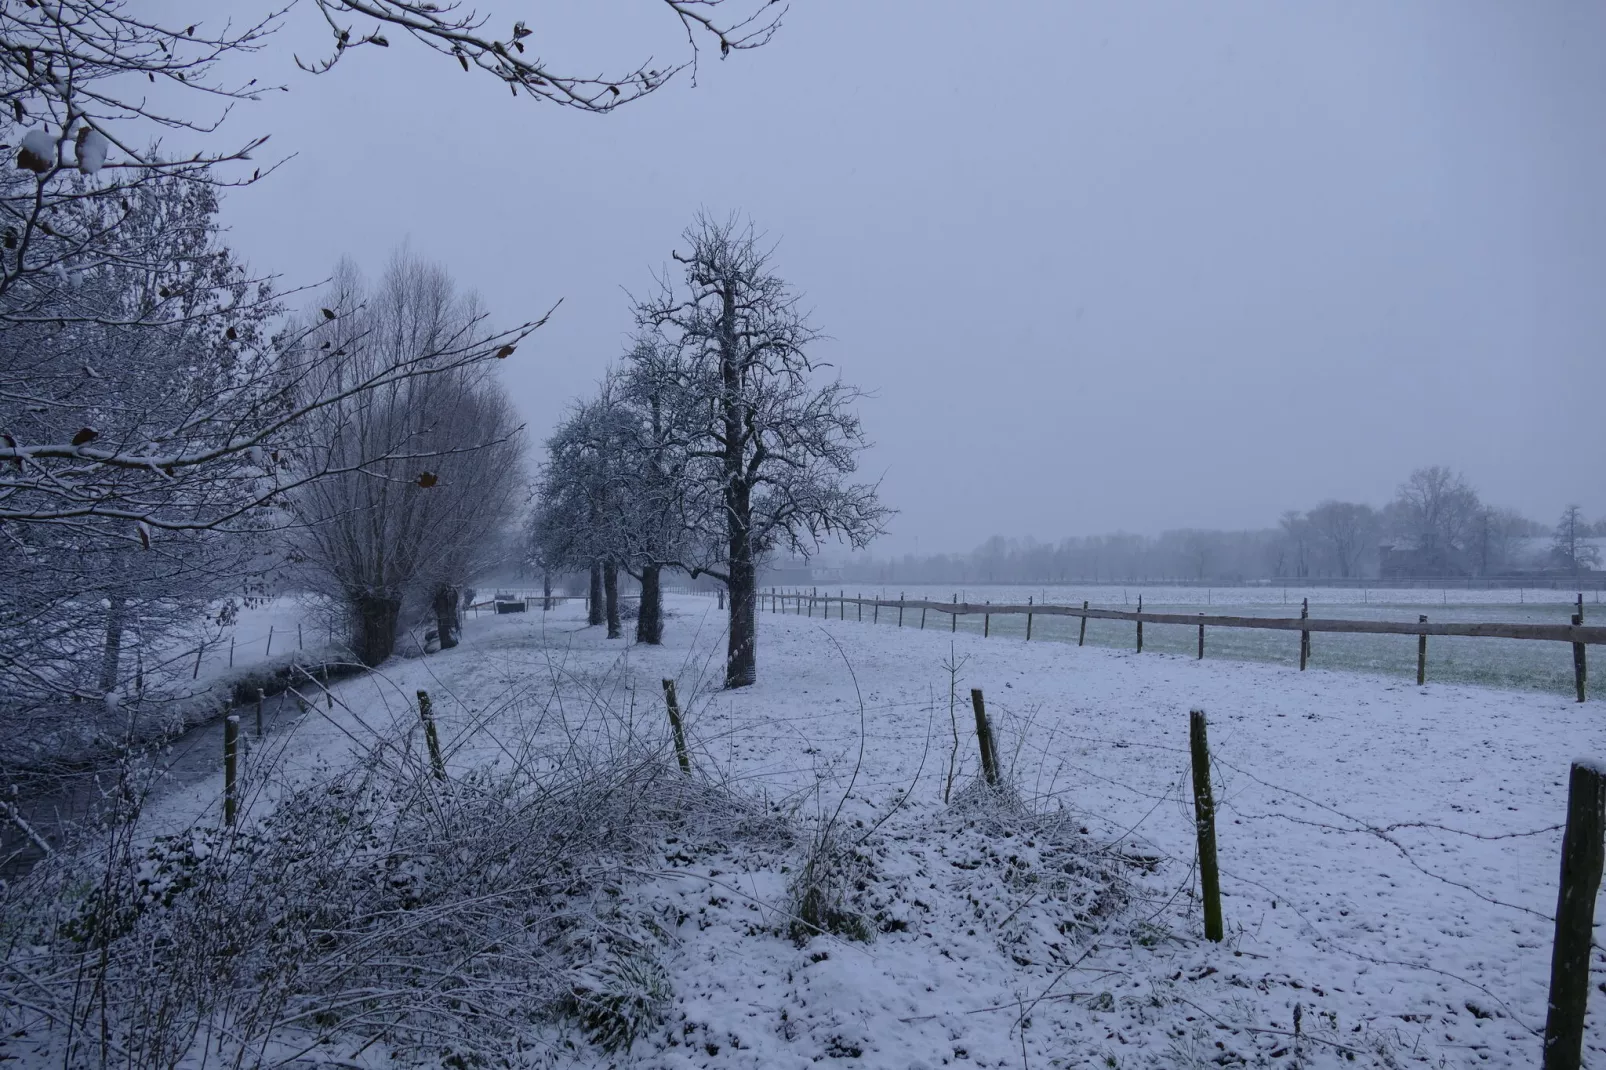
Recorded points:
821,894
449,922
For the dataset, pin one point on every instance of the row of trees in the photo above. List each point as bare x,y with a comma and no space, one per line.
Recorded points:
716,440
166,427
1436,525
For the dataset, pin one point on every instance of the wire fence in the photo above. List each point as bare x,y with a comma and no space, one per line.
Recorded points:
1052,619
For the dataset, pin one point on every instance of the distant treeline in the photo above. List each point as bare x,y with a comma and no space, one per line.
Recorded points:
1436,526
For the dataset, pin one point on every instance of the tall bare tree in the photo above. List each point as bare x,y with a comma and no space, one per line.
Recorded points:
1345,530
1437,511
415,478
1568,547
579,497
773,442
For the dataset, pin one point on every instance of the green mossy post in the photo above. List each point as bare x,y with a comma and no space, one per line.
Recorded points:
426,713
1204,812
1581,861
675,724
231,769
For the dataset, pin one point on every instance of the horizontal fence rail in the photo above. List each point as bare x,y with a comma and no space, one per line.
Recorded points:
1594,635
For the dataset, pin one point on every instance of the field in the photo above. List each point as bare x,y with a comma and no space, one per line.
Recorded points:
1503,663
1389,853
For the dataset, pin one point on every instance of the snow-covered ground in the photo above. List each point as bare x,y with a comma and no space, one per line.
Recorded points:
1389,853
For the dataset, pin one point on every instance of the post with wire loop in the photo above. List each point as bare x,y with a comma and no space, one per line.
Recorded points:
1304,636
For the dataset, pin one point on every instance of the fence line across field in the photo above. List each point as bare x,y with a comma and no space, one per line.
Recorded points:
1577,633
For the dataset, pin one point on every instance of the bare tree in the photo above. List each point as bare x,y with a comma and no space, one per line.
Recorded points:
415,478
1345,530
1296,531
576,522
1437,511
773,446
77,577
1567,547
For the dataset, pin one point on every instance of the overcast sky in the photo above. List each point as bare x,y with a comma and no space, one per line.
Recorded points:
1103,266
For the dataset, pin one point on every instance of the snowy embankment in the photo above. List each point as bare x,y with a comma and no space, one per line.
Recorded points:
1389,853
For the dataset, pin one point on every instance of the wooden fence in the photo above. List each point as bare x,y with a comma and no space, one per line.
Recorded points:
1576,633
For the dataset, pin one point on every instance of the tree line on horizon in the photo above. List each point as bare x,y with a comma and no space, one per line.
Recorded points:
1435,527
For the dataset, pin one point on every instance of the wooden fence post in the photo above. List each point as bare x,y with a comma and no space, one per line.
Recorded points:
984,738
875,614
841,604
427,715
269,652
1028,618
231,759
1140,624
1201,637
859,599
1304,636
987,622
1422,652
900,611
298,635
1204,812
1580,666
231,651
674,723
261,697
1081,635
1581,859
196,675
922,618
953,618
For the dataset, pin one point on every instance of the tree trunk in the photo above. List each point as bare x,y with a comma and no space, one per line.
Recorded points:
594,601
448,621
111,658
741,664
650,617
376,627
610,587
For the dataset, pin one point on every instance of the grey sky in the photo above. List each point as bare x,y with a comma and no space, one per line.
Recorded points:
1104,265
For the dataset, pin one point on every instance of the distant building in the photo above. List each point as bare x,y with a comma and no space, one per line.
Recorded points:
798,572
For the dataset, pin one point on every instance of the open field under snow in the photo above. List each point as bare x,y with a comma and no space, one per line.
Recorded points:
1390,853
1505,663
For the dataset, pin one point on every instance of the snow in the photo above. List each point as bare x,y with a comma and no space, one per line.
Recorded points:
1389,853
92,149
